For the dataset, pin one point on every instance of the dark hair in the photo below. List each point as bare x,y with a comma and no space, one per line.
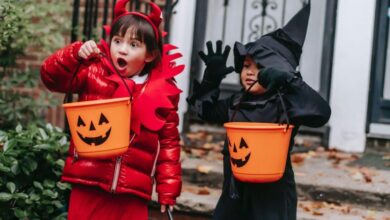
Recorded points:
144,33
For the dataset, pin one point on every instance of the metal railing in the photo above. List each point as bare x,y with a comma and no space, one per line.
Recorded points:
89,16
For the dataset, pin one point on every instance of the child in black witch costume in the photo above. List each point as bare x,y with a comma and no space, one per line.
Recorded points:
269,65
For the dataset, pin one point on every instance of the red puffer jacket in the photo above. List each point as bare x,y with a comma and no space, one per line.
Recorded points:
155,150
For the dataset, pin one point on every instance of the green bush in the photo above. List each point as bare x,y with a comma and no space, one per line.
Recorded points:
31,162
31,153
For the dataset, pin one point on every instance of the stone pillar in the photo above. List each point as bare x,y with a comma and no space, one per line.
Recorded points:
181,34
351,74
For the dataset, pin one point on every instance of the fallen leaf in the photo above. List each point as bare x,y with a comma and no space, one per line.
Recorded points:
198,152
305,207
204,169
317,205
358,176
208,146
367,174
386,157
312,153
317,213
204,191
196,136
345,209
186,188
297,158
338,156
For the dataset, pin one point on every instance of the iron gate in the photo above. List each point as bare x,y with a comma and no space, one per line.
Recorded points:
96,13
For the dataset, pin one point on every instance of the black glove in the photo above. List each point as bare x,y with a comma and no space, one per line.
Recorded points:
216,68
272,79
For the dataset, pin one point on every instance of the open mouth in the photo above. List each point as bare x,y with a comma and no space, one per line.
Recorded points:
95,140
249,81
122,62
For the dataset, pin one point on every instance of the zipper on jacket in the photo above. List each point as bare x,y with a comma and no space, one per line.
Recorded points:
155,163
116,174
75,156
117,169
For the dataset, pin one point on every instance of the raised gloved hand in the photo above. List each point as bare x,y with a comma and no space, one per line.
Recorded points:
272,79
215,62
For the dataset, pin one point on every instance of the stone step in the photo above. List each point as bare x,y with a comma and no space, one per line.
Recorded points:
317,178
198,203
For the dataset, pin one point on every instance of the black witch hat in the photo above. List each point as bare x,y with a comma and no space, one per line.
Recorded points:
280,49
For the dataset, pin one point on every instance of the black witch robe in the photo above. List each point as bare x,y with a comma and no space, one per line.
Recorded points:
281,50
268,201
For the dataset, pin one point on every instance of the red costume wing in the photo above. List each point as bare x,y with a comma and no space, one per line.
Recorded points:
160,86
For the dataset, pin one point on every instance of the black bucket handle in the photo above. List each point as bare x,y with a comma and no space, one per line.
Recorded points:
247,92
69,98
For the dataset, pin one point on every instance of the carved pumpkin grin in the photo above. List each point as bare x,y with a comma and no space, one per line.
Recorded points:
95,140
240,162
235,160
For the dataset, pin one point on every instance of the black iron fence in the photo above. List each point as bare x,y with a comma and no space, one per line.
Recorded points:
89,16
264,21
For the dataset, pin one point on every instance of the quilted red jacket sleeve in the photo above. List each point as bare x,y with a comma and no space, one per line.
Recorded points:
168,168
58,69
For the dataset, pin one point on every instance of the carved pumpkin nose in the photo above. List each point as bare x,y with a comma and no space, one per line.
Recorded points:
92,127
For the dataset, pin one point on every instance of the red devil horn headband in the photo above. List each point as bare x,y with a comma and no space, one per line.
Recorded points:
154,18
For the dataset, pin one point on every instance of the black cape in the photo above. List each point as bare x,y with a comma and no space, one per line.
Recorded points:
277,200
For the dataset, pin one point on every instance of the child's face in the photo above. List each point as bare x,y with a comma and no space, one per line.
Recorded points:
248,76
129,54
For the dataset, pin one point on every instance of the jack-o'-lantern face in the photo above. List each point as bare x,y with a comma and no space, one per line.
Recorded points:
94,133
239,157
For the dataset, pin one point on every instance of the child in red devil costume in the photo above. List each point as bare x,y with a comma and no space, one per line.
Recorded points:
120,188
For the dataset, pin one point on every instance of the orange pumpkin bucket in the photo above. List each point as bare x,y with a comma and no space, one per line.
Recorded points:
100,128
258,151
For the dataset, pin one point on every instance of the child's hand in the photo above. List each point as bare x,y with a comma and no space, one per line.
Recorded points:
215,62
88,49
164,208
272,78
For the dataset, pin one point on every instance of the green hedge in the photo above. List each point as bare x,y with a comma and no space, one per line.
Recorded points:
31,162
31,152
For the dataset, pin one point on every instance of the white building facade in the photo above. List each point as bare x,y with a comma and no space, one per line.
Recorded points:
345,57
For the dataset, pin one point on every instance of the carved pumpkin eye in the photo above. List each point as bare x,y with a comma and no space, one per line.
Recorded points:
243,143
103,119
80,122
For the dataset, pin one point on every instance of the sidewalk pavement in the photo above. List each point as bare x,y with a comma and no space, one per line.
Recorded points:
330,184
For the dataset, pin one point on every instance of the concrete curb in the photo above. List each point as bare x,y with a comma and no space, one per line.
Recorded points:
317,179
